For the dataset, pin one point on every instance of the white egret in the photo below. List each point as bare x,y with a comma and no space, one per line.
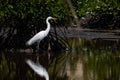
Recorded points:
42,34
39,69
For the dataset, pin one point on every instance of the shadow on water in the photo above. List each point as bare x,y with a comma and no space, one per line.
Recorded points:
92,59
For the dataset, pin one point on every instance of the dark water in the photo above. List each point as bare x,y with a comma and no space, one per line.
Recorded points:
92,59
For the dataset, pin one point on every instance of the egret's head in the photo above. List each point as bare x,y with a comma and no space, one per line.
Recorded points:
51,18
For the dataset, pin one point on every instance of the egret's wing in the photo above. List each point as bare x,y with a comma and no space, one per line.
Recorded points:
39,69
38,37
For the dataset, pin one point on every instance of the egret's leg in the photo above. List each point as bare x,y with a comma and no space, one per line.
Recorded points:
37,55
38,46
49,47
48,54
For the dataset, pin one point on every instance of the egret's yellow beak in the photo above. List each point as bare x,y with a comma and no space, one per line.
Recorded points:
54,19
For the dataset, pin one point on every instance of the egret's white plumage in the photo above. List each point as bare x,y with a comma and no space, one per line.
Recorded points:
39,69
42,34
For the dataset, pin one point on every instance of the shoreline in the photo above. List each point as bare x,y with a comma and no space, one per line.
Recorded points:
88,33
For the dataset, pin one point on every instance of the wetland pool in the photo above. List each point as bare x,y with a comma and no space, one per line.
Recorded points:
89,59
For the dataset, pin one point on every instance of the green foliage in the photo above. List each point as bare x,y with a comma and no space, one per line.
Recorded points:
57,8
84,7
38,8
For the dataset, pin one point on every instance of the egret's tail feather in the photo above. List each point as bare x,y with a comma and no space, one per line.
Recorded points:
28,43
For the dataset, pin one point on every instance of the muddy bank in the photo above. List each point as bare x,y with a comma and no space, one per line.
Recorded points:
88,33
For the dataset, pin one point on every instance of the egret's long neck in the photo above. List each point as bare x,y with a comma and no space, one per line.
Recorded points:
48,26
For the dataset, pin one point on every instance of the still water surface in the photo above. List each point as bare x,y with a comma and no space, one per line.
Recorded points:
92,59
